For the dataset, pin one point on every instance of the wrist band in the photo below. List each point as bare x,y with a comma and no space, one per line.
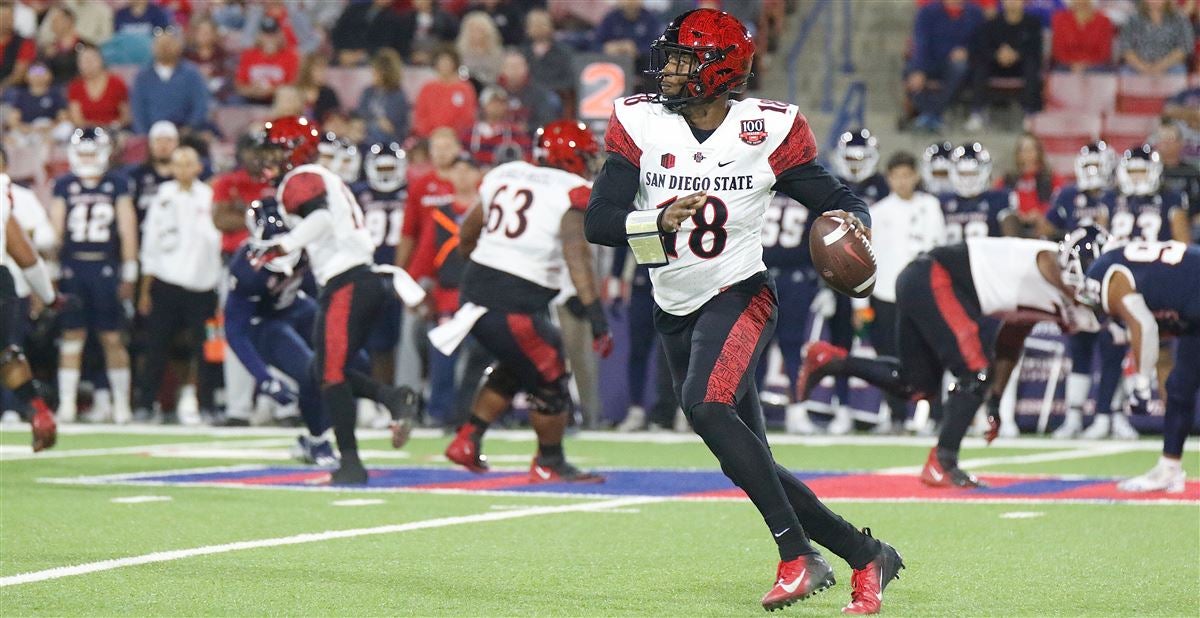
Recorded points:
129,271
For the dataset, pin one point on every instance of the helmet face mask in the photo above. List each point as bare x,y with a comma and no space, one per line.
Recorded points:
857,155
340,157
1076,254
709,49
935,168
970,170
386,167
1094,167
286,143
88,152
266,221
1140,172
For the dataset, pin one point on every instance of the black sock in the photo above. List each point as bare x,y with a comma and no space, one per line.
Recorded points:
883,373
551,452
339,403
364,386
825,526
959,411
747,462
479,426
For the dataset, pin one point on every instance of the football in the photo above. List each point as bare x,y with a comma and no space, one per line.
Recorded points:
844,259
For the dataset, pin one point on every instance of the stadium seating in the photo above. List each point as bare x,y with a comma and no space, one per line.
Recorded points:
1123,131
1088,92
1141,94
232,120
1063,133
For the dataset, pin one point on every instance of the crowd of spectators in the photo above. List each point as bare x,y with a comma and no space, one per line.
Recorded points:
985,50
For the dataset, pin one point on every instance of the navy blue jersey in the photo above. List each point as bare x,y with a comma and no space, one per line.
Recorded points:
1166,274
974,217
269,293
144,182
1073,208
785,230
384,216
870,190
1144,217
91,217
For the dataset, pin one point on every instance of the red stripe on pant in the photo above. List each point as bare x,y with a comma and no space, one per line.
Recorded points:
544,356
337,321
734,359
966,330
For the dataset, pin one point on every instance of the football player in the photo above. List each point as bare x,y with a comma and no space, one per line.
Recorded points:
698,169
1142,208
332,233
15,374
1150,288
268,315
520,238
935,168
972,209
93,213
1089,201
942,300
856,164
340,157
382,196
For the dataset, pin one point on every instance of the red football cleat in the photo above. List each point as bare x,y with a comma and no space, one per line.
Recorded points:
464,451
796,580
867,584
45,430
937,474
560,472
817,354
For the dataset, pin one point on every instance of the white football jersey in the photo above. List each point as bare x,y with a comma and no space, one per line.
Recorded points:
1007,279
348,243
737,166
523,207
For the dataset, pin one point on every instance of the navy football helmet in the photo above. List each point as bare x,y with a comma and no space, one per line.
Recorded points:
857,155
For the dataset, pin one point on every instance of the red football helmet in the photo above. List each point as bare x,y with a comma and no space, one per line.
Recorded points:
287,143
566,145
720,50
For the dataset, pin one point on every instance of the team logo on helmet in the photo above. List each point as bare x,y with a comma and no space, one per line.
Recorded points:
754,132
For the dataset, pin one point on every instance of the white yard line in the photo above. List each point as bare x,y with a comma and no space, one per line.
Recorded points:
1102,450
313,537
10,452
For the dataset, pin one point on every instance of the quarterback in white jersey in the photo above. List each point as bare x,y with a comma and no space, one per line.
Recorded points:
687,181
522,238
339,247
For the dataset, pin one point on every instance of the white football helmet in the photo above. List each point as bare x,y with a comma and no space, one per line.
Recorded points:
386,166
857,155
88,152
340,157
1140,171
935,168
970,170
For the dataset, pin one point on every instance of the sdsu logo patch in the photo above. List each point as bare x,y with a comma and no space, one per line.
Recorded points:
754,132
667,161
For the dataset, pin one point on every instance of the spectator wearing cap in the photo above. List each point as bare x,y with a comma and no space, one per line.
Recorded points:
319,99
448,100
169,89
267,65
60,53
204,49
1007,45
496,139
383,105
363,28
297,29
38,106
156,169
536,106
480,48
942,37
181,266
627,31
140,17
1178,176
1184,110
1156,40
97,98
423,28
551,64
1081,38
16,52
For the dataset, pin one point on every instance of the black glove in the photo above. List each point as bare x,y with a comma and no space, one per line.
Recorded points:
602,342
576,307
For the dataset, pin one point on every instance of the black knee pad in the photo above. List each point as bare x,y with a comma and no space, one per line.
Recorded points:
553,398
975,385
501,380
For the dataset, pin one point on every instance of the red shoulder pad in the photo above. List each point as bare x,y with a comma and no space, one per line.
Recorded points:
301,189
579,197
616,139
798,148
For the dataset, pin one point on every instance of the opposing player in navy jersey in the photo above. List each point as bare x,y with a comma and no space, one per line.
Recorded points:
689,176
935,168
973,209
339,156
1142,208
94,215
382,197
269,315
1152,289
856,164
1086,202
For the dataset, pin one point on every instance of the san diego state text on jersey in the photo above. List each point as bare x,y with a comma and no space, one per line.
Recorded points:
383,216
974,217
737,164
1166,274
1073,208
91,217
1144,217
785,234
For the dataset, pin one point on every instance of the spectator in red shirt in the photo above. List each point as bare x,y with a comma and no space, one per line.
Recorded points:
232,193
16,52
1081,38
448,100
205,51
97,97
1032,186
266,65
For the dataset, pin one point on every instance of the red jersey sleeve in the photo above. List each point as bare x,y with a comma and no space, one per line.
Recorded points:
798,147
302,189
617,140
579,197
414,212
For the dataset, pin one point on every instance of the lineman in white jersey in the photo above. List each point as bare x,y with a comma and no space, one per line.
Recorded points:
331,231
522,238
941,298
699,170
